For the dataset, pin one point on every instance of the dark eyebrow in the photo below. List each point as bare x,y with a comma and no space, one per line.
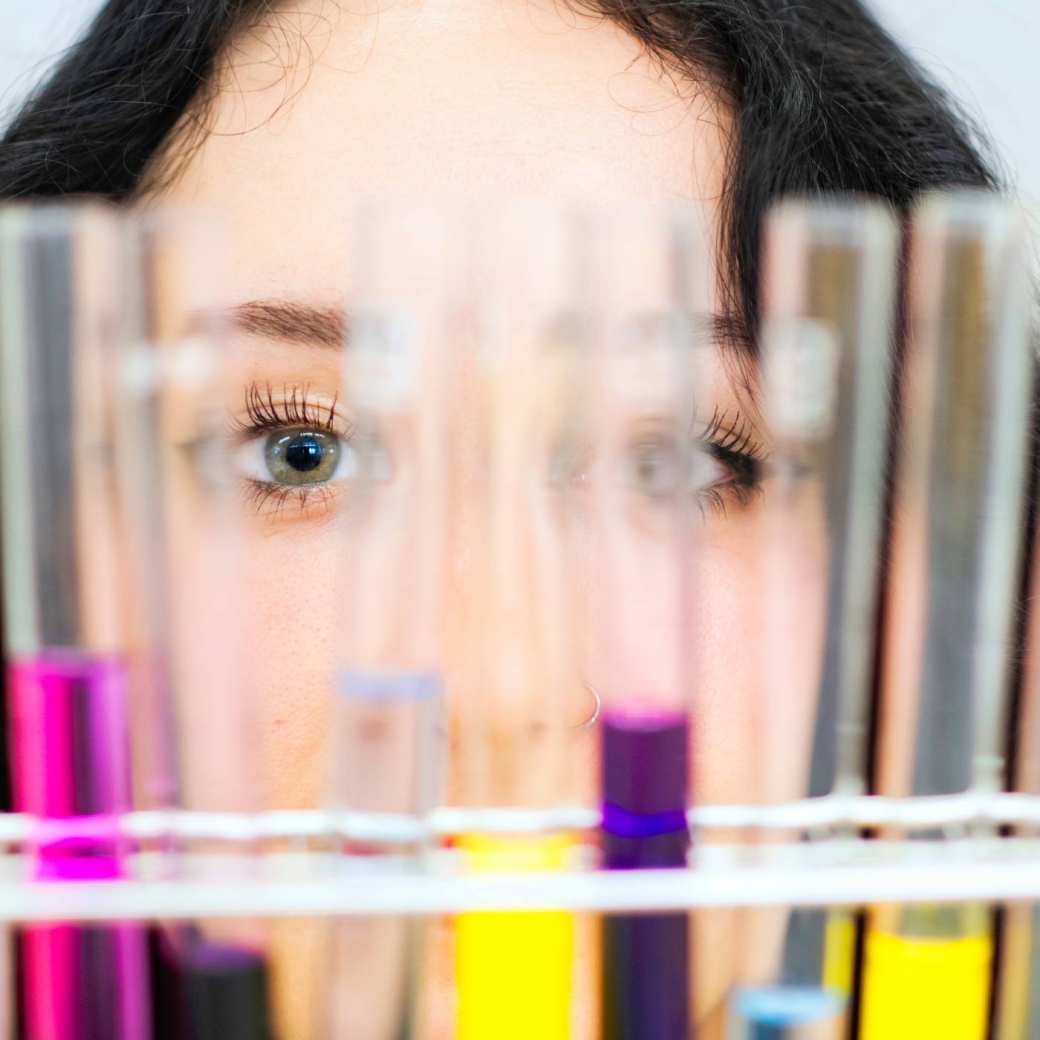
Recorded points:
310,325
292,322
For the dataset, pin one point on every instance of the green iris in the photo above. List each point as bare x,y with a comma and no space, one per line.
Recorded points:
301,457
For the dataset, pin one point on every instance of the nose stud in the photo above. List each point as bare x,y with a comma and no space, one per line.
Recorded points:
597,708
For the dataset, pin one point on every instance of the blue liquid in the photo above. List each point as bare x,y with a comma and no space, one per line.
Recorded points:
777,1012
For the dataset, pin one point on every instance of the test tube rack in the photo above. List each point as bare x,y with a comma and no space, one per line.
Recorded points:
290,863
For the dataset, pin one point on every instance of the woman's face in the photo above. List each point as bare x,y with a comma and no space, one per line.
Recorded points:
325,103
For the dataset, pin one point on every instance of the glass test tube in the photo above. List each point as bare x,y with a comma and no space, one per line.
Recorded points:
8,985
518,703
67,677
389,740
197,740
830,298
503,366
454,546
954,573
1017,1001
635,522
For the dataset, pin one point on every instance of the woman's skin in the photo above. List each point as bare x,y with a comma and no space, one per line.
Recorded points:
325,103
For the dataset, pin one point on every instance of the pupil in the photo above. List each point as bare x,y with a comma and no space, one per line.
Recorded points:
304,453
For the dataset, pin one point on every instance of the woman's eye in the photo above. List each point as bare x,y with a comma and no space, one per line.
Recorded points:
707,472
296,458
661,468
721,477
655,467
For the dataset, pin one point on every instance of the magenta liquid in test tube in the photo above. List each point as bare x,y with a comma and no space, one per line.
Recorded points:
70,739
634,520
66,679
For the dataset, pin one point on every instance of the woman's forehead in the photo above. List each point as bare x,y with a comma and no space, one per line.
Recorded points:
323,105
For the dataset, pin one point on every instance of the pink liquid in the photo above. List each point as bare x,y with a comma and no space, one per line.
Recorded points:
71,759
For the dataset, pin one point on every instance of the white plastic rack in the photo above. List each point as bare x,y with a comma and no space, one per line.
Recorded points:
287,863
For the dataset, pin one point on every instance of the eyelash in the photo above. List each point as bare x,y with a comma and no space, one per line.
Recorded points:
294,408
728,439
731,442
266,413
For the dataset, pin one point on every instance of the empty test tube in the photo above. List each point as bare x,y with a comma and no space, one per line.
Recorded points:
954,573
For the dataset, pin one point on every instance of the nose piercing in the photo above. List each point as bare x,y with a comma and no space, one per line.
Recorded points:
598,705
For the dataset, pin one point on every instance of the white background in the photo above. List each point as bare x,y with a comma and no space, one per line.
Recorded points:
986,51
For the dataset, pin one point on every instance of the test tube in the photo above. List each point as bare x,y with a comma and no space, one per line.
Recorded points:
518,701
635,519
388,746
187,525
456,626
1017,1011
67,677
7,936
827,352
958,522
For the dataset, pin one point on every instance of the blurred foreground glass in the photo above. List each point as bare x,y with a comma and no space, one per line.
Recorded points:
197,743
67,679
1017,1014
1017,1011
638,470
386,755
458,383
952,584
827,358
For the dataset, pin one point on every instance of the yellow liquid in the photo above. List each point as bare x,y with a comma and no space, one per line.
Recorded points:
514,972
839,952
926,988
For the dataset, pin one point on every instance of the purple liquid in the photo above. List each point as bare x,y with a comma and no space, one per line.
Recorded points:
211,991
645,783
71,769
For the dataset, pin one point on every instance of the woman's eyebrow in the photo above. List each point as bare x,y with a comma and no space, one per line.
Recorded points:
292,322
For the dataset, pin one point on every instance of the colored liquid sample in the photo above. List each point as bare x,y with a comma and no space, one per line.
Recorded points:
926,988
515,971
788,1013
839,952
646,959
71,760
210,991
